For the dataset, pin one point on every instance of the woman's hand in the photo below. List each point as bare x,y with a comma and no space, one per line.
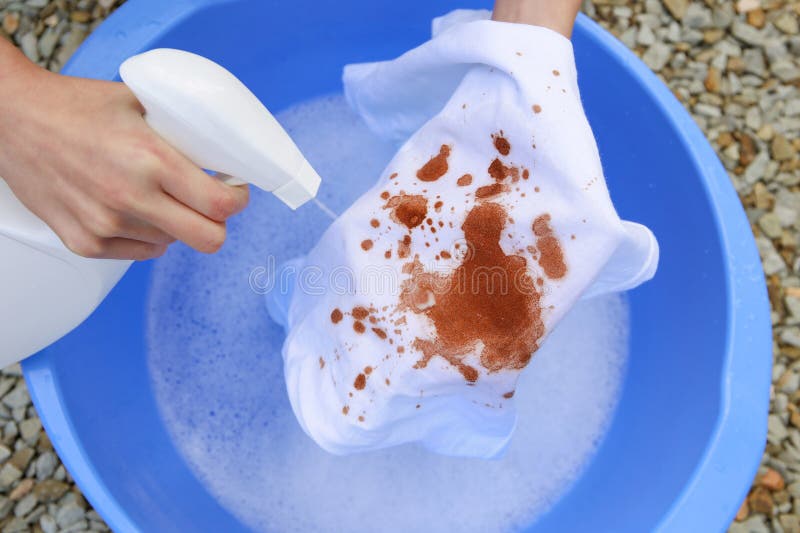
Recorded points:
79,154
557,15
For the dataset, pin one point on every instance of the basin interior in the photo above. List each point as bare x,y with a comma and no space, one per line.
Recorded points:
670,398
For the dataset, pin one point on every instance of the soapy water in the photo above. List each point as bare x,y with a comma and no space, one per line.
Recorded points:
216,369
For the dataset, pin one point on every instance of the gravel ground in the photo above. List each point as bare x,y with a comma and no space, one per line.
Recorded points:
736,68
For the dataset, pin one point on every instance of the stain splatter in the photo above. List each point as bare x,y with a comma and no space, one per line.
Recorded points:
345,410
359,327
508,395
464,180
366,245
379,332
336,316
404,247
360,312
321,363
551,256
501,144
537,108
409,210
374,223
467,306
489,190
436,167
360,382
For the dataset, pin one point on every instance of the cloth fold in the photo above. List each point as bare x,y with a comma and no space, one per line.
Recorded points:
440,283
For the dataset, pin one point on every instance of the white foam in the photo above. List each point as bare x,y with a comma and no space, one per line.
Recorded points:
216,369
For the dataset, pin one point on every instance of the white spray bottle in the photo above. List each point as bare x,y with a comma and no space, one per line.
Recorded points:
203,111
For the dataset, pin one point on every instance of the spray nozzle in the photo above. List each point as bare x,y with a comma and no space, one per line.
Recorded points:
206,113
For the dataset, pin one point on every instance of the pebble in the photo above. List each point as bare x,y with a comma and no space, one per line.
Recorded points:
48,524
677,8
25,505
50,490
69,515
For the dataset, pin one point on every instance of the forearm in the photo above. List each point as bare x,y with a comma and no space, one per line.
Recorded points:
557,15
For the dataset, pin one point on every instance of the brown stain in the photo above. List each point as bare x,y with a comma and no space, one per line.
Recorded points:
499,172
385,195
508,395
464,180
408,209
436,167
551,256
465,307
366,245
360,382
360,418
368,370
360,312
336,316
359,327
556,73
374,223
438,206
501,144
445,254
345,410
537,108
489,190
387,254
379,332
404,247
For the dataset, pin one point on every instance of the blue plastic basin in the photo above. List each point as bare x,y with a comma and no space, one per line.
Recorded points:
690,428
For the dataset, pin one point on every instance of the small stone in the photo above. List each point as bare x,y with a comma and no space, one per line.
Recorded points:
791,336
8,475
757,18
48,42
17,525
677,8
781,148
11,23
29,430
45,465
5,453
48,524
760,501
22,458
765,132
25,505
69,515
743,512
18,397
790,523
50,490
747,34
770,224
80,16
713,80
21,490
657,56
776,431
645,36
743,6
29,46
697,16
772,480
787,23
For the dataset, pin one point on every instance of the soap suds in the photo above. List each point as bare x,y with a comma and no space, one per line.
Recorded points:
213,349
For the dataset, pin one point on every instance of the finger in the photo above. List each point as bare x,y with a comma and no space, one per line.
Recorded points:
138,230
107,223
81,241
207,195
183,223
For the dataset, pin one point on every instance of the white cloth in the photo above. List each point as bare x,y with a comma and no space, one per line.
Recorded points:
459,291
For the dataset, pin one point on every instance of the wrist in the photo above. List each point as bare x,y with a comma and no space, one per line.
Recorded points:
557,15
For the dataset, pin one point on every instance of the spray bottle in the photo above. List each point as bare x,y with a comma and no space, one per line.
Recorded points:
204,112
